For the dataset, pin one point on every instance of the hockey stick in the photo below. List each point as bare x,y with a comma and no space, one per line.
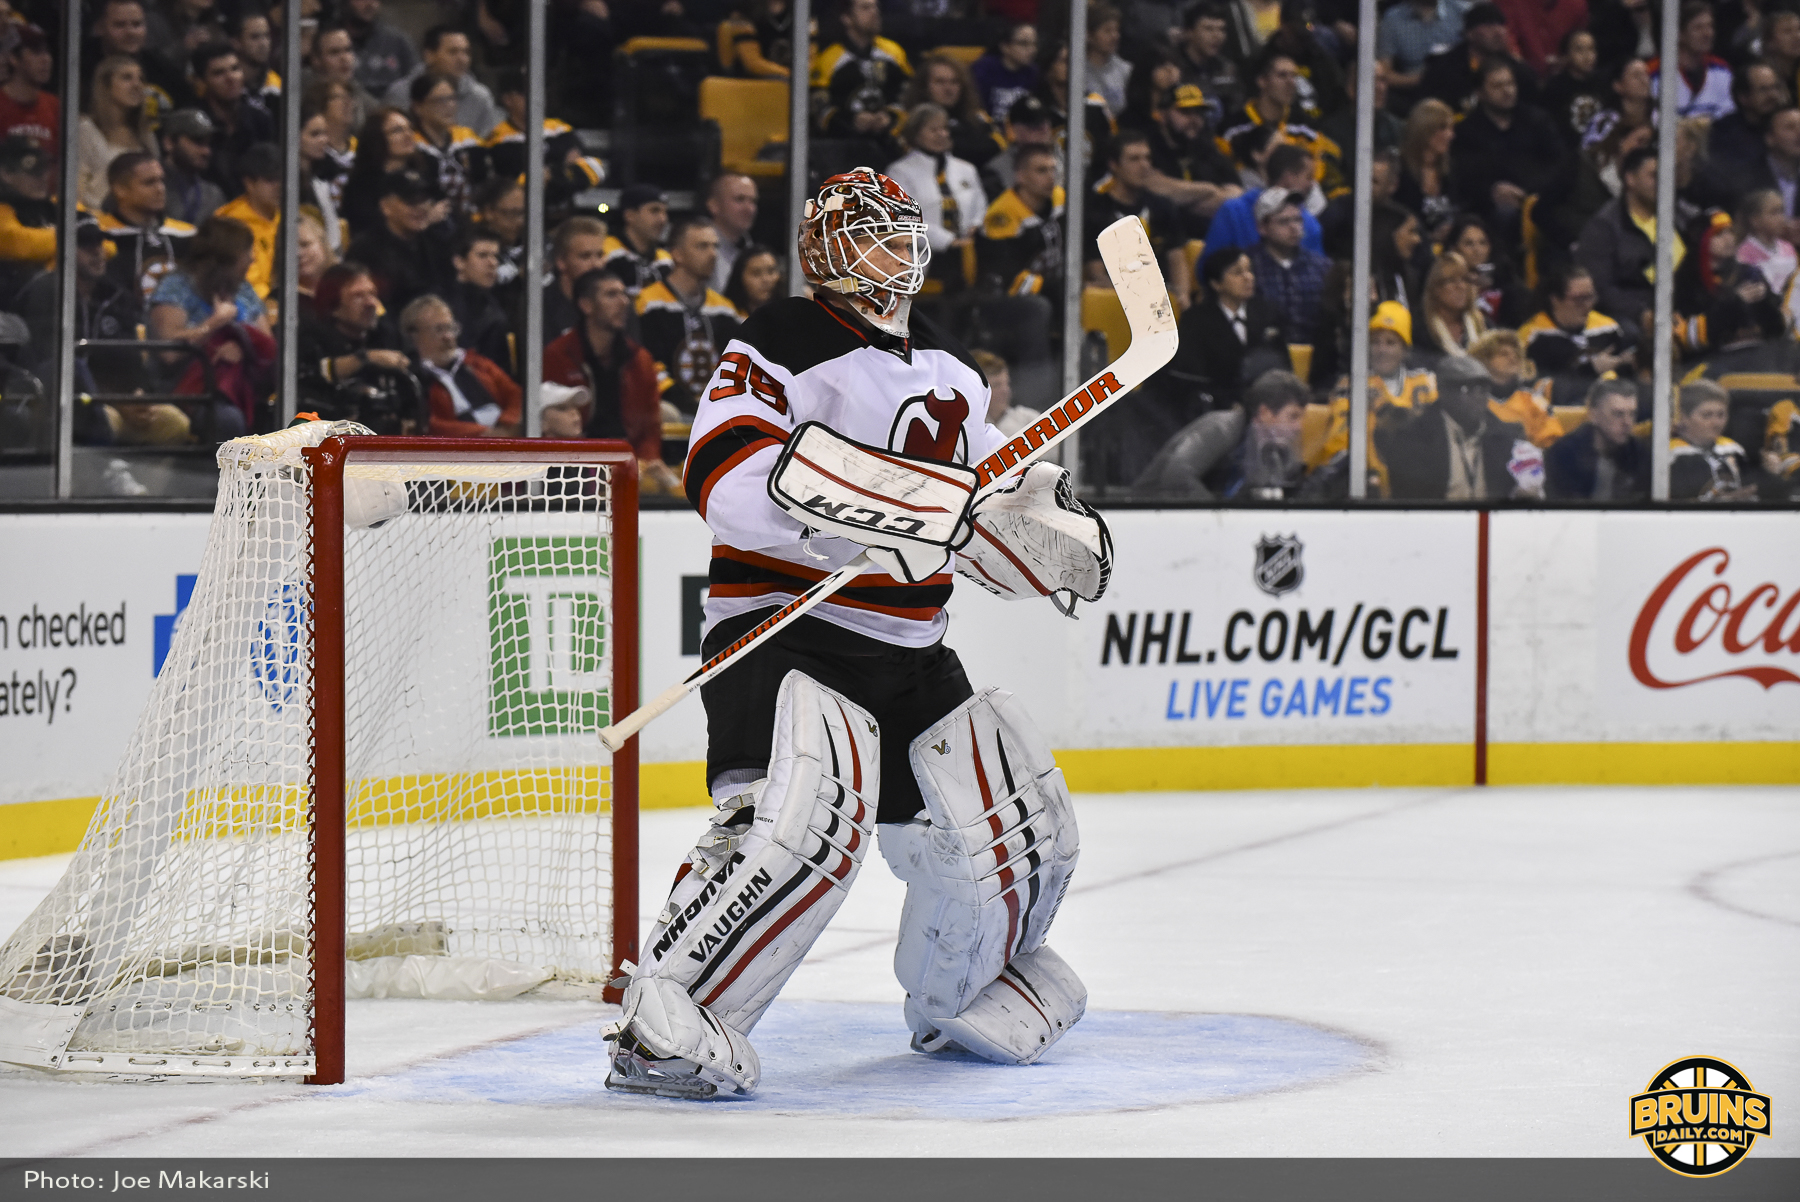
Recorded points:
1137,278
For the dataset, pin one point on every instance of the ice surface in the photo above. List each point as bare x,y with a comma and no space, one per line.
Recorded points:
1379,972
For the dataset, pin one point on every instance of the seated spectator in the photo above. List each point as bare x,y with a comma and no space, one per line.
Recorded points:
1735,141
449,147
1338,220
239,122
857,79
1409,33
1703,82
1452,321
1251,147
1267,465
1512,399
1340,124
1018,252
1320,83
1392,384
104,309
331,102
1760,226
1028,123
472,303
444,51
1504,301
1779,167
1395,237
186,137
1277,102
1506,150
1452,75
1455,449
27,215
1601,461
731,206
176,27
1289,275
1747,333
1291,169
1704,465
114,124
755,280
333,61
1426,168
259,209
248,32
1230,335
1542,29
685,324
1572,343
407,251
1626,125
599,355
762,40
1705,276
312,258
385,146
500,209
1107,73
1008,71
208,304
28,109
1202,56
1576,93
1618,247
636,255
1096,122
945,82
146,243
468,393
318,170
1187,166
947,189
568,168
1125,192
345,341
1154,77
1781,449
119,28
382,54
1002,414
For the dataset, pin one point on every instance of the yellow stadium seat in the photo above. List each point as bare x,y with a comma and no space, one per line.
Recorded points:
1101,310
646,45
966,55
1769,381
1300,355
1315,424
1569,416
751,114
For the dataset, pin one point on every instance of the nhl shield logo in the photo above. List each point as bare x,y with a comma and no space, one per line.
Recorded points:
1278,567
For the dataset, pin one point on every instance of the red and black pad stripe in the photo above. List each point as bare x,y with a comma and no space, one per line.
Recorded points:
1010,897
1031,852
736,573
723,448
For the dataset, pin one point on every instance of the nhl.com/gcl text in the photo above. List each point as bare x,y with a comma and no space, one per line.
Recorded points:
118,1182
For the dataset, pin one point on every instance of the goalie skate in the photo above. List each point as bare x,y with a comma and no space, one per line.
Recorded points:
635,1070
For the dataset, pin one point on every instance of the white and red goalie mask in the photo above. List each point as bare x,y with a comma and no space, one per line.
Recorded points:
864,238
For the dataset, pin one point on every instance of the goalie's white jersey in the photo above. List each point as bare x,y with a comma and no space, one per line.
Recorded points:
796,360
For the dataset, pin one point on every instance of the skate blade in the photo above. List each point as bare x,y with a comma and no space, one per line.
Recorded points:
696,1091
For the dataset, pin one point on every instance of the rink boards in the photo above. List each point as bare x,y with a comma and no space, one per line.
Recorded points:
1233,649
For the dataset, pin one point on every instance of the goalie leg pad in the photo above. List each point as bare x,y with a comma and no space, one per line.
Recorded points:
988,866
764,881
1016,1019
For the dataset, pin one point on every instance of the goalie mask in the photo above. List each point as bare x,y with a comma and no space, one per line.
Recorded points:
864,238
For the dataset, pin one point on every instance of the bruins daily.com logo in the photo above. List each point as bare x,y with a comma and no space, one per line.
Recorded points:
1699,1116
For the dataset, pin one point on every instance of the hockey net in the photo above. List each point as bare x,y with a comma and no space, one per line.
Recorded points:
368,766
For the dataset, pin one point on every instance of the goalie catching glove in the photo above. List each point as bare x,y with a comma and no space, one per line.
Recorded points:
1034,539
909,512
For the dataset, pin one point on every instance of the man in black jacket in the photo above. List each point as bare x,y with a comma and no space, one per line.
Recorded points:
1505,150
1228,339
1618,244
406,253
1600,460
1453,76
238,121
472,303
1455,449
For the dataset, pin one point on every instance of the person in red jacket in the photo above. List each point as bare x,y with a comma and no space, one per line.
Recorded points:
469,394
617,372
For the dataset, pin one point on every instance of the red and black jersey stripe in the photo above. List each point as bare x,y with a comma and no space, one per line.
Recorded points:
738,573
723,448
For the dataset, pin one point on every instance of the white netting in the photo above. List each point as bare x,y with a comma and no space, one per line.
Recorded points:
478,668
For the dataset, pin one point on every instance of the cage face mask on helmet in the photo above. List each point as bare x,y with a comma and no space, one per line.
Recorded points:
864,238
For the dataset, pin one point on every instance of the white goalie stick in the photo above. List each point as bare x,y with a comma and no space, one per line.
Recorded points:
1137,278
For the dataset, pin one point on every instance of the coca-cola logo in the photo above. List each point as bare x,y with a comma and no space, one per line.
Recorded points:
1713,624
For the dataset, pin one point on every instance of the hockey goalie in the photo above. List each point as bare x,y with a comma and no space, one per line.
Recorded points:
835,426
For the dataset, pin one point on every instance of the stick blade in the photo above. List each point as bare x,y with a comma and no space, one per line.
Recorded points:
1143,293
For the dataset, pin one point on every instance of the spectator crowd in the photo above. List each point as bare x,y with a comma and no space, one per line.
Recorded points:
1514,230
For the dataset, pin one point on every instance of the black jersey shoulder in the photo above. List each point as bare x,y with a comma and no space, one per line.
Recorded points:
927,335
799,333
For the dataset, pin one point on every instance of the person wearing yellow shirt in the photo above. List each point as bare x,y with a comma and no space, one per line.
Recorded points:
1391,382
27,214
259,208
1502,352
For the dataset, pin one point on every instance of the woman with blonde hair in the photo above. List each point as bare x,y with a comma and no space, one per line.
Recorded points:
1453,319
114,124
1425,163
946,82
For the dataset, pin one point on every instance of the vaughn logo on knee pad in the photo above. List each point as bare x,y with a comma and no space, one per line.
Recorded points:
735,912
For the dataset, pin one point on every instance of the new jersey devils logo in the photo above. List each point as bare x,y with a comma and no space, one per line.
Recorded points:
931,427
